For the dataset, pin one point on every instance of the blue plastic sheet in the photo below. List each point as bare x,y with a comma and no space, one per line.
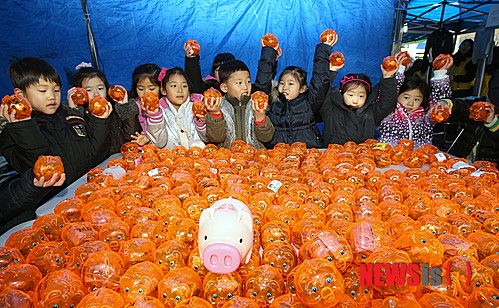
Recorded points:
132,32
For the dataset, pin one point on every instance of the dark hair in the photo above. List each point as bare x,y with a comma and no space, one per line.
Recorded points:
220,59
141,72
88,72
230,67
458,56
28,71
297,72
356,80
414,82
175,71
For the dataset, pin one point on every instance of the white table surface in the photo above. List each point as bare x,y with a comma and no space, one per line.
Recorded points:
68,192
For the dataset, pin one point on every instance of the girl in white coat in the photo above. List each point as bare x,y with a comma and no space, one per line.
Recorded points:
174,123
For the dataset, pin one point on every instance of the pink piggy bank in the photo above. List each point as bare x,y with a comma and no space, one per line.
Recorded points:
225,235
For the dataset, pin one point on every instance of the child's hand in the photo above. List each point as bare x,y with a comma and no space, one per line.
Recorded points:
188,51
259,112
333,40
201,117
491,108
448,63
140,138
279,53
4,113
54,181
213,104
149,112
335,68
109,109
71,91
389,74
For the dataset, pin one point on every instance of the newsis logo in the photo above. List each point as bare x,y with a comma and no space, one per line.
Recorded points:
402,274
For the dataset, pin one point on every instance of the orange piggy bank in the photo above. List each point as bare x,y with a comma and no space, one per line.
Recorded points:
318,283
177,285
264,284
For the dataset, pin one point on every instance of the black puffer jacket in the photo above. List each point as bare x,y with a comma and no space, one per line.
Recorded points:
81,146
19,195
342,124
295,120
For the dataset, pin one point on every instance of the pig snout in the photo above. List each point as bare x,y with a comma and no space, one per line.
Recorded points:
221,258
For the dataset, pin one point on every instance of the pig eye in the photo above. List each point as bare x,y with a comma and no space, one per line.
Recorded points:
240,240
205,237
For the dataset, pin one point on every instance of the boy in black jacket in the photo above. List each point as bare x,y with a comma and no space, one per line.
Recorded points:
50,130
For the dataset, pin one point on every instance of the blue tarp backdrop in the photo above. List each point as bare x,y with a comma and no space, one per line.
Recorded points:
132,32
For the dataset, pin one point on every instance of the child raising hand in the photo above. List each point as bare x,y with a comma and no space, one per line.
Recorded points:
294,106
352,112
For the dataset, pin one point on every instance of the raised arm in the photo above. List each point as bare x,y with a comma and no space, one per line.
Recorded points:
265,72
320,81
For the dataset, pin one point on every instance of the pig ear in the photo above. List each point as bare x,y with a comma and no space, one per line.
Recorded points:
245,217
206,215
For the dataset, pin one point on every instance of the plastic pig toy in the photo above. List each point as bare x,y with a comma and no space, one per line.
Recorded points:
102,269
9,256
140,280
263,284
49,256
11,297
26,239
318,283
220,288
225,236
24,277
59,289
179,284
100,296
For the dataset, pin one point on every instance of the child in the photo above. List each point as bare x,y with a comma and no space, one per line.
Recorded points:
411,118
21,195
295,107
478,140
50,130
174,124
352,112
193,70
235,116
144,79
124,118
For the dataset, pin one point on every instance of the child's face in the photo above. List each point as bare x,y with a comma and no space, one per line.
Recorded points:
238,84
176,90
44,96
355,97
411,99
289,86
145,85
94,86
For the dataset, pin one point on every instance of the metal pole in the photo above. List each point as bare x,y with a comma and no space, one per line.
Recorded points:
90,35
399,25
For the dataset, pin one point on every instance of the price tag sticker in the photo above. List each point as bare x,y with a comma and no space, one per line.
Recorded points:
153,172
274,185
440,157
477,173
461,165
